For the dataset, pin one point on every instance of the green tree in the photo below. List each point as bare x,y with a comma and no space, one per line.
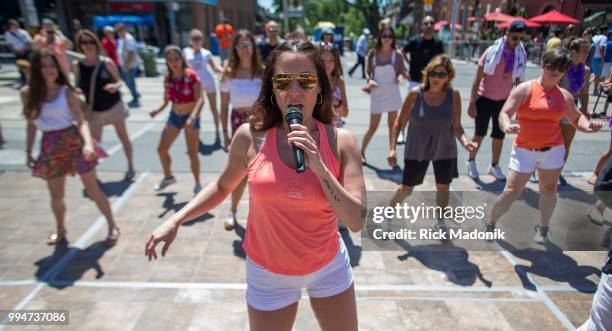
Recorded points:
354,15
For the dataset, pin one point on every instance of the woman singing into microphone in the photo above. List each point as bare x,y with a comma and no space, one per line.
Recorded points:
292,240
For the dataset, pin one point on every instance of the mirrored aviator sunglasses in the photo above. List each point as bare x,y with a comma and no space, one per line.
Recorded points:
283,81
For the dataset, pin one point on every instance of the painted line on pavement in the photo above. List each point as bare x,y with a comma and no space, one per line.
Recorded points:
77,247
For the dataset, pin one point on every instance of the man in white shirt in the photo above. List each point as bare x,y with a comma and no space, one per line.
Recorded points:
19,43
599,42
127,51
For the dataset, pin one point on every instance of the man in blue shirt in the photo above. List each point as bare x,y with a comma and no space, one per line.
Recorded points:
362,51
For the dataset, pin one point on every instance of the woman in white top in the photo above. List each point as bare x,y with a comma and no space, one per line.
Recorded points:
51,105
385,65
240,85
201,61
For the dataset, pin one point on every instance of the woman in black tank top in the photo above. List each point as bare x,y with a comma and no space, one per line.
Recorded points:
104,102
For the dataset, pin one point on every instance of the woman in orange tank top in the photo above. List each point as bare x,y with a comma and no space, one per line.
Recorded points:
292,240
539,105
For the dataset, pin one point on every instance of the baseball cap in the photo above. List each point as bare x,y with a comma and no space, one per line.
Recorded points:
108,28
366,31
327,31
518,26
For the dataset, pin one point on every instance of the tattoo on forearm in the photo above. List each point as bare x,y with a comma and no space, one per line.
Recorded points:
331,190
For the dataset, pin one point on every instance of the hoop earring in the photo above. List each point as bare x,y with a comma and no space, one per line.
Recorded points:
272,100
319,100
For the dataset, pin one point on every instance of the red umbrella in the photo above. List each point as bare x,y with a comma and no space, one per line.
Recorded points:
529,23
554,16
439,25
498,17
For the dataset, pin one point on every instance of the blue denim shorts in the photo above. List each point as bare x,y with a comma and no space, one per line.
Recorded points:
178,121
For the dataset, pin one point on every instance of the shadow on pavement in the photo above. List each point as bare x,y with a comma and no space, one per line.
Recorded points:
447,258
116,188
394,175
496,186
237,244
553,264
170,205
209,149
82,261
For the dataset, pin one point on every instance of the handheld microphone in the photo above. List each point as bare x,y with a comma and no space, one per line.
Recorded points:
294,116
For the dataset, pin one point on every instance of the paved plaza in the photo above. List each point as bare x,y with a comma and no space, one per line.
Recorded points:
200,285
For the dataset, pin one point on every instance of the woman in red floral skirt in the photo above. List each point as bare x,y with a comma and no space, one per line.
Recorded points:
67,148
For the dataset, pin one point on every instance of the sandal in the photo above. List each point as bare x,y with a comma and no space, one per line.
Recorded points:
55,238
112,237
129,175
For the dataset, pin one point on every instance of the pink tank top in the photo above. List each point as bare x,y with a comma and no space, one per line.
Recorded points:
292,228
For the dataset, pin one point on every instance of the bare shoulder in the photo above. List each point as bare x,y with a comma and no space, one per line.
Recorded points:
523,88
346,139
413,92
244,134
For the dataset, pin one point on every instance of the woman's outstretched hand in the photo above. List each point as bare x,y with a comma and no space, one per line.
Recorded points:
166,233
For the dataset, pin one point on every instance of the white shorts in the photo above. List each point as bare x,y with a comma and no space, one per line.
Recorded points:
526,161
209,86
267,291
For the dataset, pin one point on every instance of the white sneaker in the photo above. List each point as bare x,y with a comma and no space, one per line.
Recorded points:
541,236
496,172
599,213
230,221
472,171
164,183
197,188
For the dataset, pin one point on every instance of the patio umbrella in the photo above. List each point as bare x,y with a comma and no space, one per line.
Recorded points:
439,25
554,16
498,17
529,23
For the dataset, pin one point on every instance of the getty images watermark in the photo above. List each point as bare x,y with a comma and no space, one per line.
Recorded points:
410,214
427,220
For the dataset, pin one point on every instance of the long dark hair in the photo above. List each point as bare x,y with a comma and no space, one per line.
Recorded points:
266,113
379,38
328,47
37,87
173,49
234,59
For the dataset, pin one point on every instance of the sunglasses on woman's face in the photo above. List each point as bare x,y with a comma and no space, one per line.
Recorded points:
283,81
386,36
438,74
87,42
244,44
